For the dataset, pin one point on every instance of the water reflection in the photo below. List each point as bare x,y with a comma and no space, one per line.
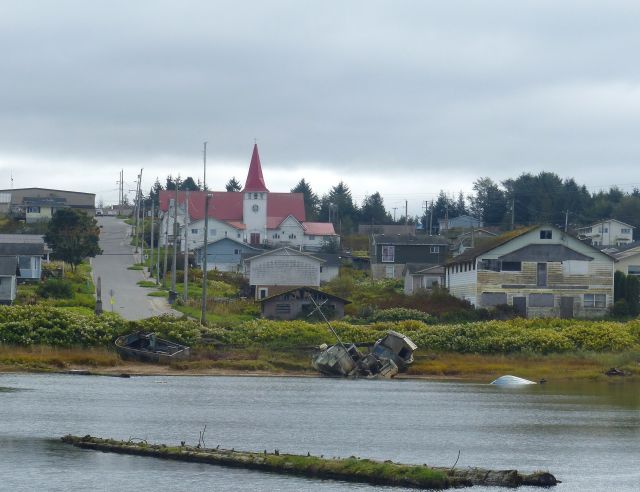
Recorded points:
583,432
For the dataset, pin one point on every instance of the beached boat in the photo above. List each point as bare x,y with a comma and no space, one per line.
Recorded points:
390,355
147,347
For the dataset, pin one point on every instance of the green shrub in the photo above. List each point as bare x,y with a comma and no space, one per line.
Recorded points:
56,288
400,314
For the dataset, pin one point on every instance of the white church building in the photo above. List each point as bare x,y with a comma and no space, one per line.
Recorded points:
254,216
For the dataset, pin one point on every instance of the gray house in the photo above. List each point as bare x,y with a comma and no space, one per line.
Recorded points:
297,302
420,276
390,253
39,204
8,279
29,256
225,254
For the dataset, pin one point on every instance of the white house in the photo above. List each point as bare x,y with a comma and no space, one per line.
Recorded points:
628,260
8,279
420,276
254,216
269,272
541,271
607,233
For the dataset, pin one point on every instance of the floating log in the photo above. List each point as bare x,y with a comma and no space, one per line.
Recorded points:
346,469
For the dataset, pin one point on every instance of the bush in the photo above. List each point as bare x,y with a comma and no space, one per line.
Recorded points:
400,314
56,288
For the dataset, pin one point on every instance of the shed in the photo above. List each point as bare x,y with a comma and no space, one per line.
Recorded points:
8,278
297,302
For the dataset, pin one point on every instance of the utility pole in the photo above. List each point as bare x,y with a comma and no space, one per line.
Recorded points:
186,247
152,261
142,231
513,213
394,213
203,310
158,249
406,212
431,219
172,292
566,221
166,251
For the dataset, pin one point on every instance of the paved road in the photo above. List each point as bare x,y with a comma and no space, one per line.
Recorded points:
130,300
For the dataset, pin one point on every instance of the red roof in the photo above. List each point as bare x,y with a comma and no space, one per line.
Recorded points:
319,228
255,180
227,205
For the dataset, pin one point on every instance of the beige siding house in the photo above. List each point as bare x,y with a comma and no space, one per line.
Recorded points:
628,260
607,233
541,271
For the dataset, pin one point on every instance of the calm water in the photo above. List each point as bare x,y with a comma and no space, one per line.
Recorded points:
587,434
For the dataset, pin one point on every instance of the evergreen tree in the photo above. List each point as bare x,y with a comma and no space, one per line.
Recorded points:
373,211
311,200
337,206
73,236
233,185
189,184
489,203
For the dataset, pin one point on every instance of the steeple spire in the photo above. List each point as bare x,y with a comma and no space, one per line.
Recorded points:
255,180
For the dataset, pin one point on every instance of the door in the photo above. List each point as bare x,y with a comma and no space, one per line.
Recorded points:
542,275
520,305
255,239
566,307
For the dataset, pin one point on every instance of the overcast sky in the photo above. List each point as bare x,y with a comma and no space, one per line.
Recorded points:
401,97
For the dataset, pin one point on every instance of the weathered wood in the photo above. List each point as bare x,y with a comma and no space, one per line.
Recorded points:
348,469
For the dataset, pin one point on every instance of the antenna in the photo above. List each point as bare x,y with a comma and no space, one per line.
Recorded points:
12,179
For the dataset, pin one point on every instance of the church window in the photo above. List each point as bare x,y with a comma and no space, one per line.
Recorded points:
255,196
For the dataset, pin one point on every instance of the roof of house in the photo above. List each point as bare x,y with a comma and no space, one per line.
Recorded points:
255,180
284,251
309,289
239,243
409,239
47,190
330,259
22,249
420,268
21,238
604,222
8,265
627,251
228,205
319,228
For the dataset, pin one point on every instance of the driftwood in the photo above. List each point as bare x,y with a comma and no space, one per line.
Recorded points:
349,469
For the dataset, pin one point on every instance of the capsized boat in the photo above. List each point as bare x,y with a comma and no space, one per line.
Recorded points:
147,347
390,355
509,380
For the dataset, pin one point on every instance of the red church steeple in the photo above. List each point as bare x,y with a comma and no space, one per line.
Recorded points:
255,180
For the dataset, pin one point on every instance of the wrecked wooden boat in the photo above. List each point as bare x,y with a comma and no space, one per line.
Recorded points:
147,347
389,356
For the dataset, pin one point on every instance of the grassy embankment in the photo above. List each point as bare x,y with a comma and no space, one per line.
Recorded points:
551,349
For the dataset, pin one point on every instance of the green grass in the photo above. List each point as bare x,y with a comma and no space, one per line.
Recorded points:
159,293
147,283
135,267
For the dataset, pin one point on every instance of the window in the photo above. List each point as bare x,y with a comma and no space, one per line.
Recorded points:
595,300
24,262
320,269
389,271
575,267
236,251
33,210
511,266
606,229
262,293
546,234
434,249
491,265
276,236
194,231
239,235
388,254
255,196
633,270
541,300
625,230
312,238
212,232
292,236
283,308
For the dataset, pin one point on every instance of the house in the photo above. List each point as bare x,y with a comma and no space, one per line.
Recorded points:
8,279
389,254
460,222
255,216
421,276
541,271
30,249
628,259
224,254
297,302
283,267
607,233
39,204
469,239
330,269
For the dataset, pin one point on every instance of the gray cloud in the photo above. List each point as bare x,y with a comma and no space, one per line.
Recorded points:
407,93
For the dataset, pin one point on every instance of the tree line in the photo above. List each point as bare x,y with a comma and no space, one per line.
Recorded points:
525,200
